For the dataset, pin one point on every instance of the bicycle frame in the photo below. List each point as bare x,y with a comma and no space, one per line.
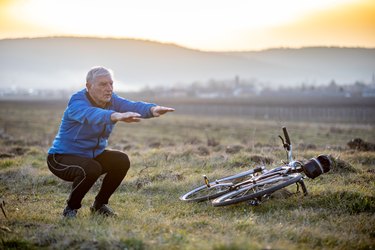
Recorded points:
260,182
266,175
291,167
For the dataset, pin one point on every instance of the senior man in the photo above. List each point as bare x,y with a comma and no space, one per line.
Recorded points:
79,155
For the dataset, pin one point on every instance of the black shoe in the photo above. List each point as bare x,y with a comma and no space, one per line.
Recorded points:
69,212
104,209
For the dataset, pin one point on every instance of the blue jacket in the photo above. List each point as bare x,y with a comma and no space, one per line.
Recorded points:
85,127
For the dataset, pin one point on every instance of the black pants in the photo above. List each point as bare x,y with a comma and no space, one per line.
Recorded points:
84,172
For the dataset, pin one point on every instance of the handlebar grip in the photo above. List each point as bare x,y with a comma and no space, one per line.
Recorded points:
286,135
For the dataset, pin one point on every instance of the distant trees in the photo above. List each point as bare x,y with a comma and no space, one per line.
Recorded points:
237,87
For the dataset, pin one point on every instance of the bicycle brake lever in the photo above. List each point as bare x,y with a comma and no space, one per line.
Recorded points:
285,145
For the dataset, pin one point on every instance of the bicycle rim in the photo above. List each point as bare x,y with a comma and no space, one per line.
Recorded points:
218,187
204,193
258,190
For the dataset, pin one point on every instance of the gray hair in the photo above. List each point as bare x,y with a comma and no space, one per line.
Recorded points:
98,71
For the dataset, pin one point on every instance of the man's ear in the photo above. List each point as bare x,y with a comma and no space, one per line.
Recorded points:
88,85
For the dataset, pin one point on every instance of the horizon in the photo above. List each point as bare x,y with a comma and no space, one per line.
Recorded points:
34,62
184,47
213,26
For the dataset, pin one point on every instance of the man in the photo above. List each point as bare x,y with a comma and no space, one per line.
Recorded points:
78,152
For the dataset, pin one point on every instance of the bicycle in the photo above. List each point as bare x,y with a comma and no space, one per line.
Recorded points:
258,183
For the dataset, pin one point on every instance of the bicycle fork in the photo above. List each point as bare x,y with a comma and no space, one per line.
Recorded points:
303,186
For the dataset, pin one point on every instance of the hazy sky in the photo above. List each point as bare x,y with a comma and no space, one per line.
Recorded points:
200,24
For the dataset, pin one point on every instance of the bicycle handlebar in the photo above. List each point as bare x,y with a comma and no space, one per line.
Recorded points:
286,135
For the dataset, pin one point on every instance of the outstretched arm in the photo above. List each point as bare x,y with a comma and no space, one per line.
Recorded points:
136,117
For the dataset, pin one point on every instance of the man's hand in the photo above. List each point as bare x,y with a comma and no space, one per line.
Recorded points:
125,117
160,110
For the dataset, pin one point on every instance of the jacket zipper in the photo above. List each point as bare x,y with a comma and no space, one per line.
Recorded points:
97,143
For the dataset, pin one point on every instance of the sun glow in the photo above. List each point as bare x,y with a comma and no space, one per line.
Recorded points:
210,24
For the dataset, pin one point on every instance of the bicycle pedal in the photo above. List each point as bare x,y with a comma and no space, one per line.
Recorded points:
206,181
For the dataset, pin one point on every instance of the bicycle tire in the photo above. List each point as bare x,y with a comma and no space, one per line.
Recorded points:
257,190
204,193
240,176
217,188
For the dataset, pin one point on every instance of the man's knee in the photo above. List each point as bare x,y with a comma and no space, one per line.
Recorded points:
92,169
123,161
120,161
114,162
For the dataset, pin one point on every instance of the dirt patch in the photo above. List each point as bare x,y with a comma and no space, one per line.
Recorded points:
203,151
281,194
249,161
309,146
19,150
233,149
341,166
261,159
193,141
212,142
154,145
12,152
127,147
6,155
361,145
262,145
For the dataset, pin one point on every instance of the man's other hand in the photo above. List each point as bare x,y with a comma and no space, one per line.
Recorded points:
125,117
160,110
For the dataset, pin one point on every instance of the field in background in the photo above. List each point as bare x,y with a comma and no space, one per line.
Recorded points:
169,155
281,108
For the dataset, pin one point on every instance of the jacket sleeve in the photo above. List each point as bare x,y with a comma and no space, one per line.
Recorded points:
80,110
123,105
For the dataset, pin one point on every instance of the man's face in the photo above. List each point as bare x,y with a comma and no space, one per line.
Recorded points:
101,89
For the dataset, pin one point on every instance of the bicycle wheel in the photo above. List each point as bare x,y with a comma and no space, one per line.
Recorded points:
218,187
204,193
257,190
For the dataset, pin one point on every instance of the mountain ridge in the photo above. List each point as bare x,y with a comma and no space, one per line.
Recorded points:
64,61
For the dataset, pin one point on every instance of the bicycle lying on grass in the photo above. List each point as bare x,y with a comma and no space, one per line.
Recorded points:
256,184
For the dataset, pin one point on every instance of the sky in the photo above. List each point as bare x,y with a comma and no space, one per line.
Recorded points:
209,25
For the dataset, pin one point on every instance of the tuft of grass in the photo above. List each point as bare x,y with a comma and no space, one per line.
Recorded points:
132,244
16,245
346,202
6,163
341,166
235,246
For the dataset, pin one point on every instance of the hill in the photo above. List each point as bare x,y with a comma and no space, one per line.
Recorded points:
64,61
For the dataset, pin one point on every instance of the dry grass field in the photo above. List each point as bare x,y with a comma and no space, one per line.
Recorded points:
169,155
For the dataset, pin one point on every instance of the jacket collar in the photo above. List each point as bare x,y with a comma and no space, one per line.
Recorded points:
95,104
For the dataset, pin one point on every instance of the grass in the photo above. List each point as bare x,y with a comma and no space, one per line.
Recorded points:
169,155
